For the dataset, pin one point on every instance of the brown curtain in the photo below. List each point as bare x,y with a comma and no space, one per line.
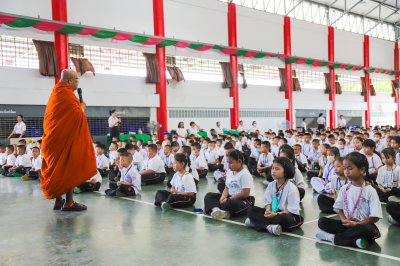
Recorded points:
363,86
395,87
373,92
48,60
338,87
296,82
82,65
175,73
227,75
328,87
282,76
241,72
152,75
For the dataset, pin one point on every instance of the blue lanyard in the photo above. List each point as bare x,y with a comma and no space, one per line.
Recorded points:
127,171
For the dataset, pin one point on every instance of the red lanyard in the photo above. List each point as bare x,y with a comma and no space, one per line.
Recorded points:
346,203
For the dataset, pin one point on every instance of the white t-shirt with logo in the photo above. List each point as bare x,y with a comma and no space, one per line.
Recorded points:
184,183
388,179
289,197
156,164
236,182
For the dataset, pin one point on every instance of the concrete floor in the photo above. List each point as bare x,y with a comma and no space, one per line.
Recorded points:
120,231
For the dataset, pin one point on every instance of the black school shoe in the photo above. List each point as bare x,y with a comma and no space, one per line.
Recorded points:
110,192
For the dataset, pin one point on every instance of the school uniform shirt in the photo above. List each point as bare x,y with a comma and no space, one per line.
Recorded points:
113,155
211,156
329,171
342,122
11,160
304,125
379,147
23,160
343,151
337,184
253,129
221,151
301,158
102,162
255,153
3,158
161,153
181,132
315,155
241,128
156,164
265,159
168,160
291,141
138,158
194,172
219,130
143,153
200,161
289,197
306,149
369,205
388,179
238,146
184,183
192,131
321,120
397,158
298,179
37,163
29,153
374,162
98,177
19,127
130,174
275,150
236,182
112,121
322,162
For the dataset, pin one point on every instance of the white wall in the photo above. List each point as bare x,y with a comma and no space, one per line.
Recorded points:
382,109
349,47
381,53
35,8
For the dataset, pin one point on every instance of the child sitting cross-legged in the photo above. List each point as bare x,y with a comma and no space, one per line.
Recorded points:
183,190
34,172
22,163
130,182
93,184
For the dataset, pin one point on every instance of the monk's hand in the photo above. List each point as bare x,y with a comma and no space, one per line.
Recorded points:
84,106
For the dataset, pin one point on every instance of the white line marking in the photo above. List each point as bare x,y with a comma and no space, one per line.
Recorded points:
284,233
316,220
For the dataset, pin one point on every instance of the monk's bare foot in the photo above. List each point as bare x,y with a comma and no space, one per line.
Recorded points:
58,203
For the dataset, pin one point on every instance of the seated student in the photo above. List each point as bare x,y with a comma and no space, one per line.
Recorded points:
183,188
10,160
265,161
93,184
114,173
137,159
297,179
342,147
281,202
358,205
393,210
153,170
160,151
143,151
321,185
168,160
374,161
254,155
199,160
380,145
301,159
212,156
307,145
238,194
28,150
357,144
275,146
167,140
388,176
221,151
314,158
191,167
103,164
34,172
130,182
3,155
326,201
220,174
112,152
22,163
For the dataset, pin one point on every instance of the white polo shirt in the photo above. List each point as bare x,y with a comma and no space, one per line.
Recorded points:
156,164
19,127
23,160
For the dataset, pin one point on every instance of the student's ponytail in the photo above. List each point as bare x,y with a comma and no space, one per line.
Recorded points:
236,156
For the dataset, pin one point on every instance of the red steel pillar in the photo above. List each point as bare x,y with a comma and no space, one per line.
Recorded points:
396,68
59,12
368,83
232,41
288,70
332,74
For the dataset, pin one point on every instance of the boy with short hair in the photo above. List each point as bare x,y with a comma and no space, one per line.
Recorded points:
153,170
10,160
22,163
34,172
103,164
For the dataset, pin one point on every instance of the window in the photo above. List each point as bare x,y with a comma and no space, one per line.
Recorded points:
18,52
382,86
349,83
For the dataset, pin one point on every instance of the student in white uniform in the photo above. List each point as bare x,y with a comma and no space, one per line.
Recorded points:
130,182
199,160
321,121
326,201
306,146
301,159
253,127
265,161
193,129
3,155
103,163
281,203
388,176
19,128
298,178
22,163
113,152
218,129
190,167
359,208
321,185
93,184
183,190
10,160
304,125
374,160
153,170
182,133
168,160
380,144
238,194
241,127
34,172
212,156
342,122
255,150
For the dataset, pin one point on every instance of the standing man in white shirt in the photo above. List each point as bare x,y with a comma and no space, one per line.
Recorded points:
113,124
19,128
241,127
218,129
321,121
342,122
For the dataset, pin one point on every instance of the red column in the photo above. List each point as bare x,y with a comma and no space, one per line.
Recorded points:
232,41
368,83
332,73
396,68
288,70
161,87
59,12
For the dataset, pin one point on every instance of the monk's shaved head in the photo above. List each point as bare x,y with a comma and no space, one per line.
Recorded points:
70,77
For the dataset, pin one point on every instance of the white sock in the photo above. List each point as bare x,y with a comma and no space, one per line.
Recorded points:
215,209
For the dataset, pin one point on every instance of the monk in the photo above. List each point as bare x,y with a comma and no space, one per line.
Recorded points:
67,147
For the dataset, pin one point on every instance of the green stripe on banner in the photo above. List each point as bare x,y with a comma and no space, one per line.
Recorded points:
241,52
68,29
348,67
259,55
218,47
104,34
22,23
309,61
292,60
323,63
335,65
168,43
139,38
196,45
371,70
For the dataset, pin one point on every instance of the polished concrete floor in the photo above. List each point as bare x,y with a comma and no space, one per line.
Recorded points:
122,231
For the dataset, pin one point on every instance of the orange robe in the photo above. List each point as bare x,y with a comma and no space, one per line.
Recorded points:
67,147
